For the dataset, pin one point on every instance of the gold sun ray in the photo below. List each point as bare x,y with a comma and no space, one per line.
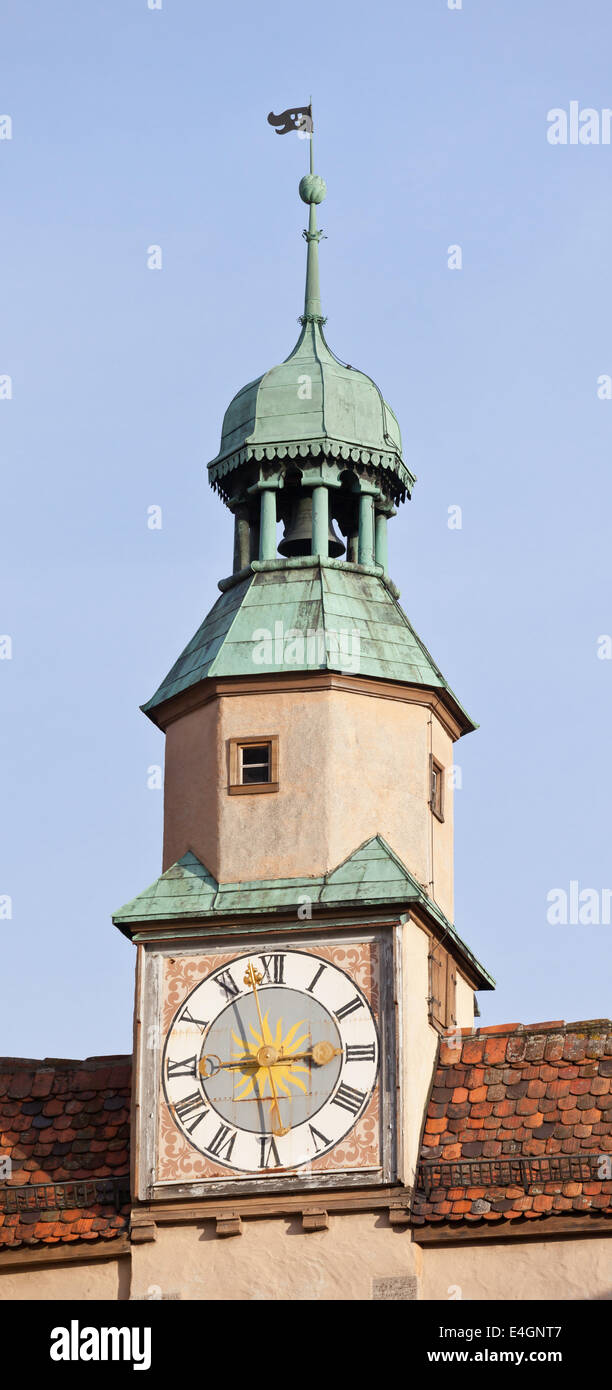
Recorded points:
288,1044
254,1080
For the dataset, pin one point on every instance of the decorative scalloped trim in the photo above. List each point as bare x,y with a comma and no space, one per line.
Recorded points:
328,447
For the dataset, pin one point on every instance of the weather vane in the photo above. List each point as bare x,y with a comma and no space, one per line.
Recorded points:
298,119
312,190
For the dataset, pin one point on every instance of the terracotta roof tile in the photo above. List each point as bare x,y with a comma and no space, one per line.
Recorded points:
523,1116
64,1122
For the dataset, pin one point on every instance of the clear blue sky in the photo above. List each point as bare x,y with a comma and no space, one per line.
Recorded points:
134,127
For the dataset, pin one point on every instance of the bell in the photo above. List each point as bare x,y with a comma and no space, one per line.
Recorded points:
297,539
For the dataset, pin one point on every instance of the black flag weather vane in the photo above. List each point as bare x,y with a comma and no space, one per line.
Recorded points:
295,118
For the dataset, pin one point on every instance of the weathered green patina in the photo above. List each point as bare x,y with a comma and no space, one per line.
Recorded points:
354,621
372,877
312,405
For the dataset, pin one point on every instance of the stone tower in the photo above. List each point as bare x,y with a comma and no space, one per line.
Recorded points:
297,959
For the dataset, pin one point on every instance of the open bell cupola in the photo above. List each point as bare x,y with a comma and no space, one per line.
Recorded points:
311,443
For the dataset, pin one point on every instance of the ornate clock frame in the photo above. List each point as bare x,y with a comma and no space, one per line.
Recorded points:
167,1167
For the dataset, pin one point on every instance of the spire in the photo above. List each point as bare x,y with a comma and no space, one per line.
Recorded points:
311,442
312,191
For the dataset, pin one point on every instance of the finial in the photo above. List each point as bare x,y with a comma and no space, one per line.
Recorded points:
312,190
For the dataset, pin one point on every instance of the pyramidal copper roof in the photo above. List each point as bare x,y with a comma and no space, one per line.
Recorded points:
307,615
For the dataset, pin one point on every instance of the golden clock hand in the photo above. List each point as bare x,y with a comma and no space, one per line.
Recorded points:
266,1054
321,1053
222,1066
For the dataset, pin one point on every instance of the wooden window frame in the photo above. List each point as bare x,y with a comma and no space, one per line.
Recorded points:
235,745
437,809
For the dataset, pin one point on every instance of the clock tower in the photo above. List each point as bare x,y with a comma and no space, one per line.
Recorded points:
297,959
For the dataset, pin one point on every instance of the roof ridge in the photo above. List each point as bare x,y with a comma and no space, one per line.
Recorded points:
62,1063
557,1025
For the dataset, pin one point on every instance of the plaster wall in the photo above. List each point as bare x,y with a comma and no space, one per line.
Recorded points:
191,788
419,1041
350,766
465,1003
275,1260
108,1279
533,1269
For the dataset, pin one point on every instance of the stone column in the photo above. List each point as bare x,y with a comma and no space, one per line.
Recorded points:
242,537
382,552
320,522
366,528
267,524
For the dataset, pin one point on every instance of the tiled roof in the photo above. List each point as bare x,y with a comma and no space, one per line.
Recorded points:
65,1127
519,1125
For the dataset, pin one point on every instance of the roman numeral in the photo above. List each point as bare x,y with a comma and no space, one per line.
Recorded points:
349,1099
349,1008
184,1068
357,1052
187,1017
311,986
276,964
316,1134
268,1154
222,1144
225,982
191,1111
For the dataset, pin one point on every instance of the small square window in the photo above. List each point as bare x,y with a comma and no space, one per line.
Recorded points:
436,793
253,765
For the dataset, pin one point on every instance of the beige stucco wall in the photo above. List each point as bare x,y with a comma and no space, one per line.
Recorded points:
351,766
531,1269
419,1041
274,1260
191,780
108,1279
464,1003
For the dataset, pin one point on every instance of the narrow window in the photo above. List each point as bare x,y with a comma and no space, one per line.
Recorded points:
436,793
253,765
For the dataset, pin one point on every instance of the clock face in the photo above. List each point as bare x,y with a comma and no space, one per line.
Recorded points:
270,1061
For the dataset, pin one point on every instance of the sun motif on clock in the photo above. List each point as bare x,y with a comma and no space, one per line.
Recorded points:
251,1060
270,1060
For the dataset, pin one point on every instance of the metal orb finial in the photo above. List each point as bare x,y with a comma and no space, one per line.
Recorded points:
312,188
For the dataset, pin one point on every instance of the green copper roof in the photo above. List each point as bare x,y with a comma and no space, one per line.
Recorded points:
311,400
372,876
320,615
312,403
